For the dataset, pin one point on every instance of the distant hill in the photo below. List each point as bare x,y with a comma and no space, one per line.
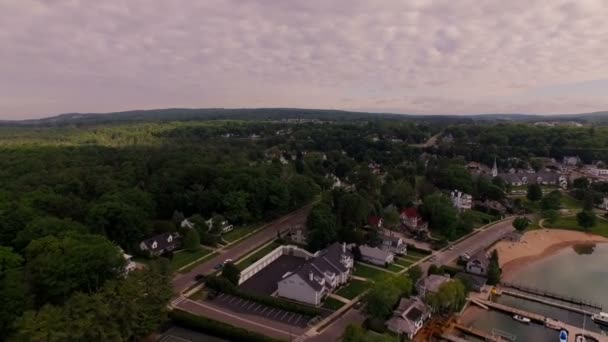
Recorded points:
186,114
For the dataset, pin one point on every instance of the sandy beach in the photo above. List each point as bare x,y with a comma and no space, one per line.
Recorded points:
538,244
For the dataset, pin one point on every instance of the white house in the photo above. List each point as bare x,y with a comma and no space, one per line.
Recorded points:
409,317
412,219
319,276
129,265
461,201
160,244
394,244
187,224
224,228
376,256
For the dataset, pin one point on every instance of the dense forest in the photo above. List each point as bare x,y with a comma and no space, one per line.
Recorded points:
71,195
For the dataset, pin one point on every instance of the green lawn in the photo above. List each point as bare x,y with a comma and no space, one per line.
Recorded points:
369,272
238,233
354,288
205,259
394,268
333,304
403,262
415,254
569,202
257,255
600,228
183,258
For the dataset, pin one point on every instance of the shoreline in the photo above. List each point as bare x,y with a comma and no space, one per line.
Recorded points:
537,245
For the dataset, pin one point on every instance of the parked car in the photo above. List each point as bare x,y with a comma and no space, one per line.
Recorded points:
227,261
451,248
218,266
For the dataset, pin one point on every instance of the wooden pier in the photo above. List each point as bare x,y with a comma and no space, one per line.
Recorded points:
478,333
552,295
547,302
549,322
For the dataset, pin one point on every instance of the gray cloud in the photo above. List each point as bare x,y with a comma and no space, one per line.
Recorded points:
438,56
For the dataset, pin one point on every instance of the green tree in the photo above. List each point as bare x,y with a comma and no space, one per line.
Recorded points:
494,270
56,267
384,294
391,217
521,223
441,213
192,241
581,183
535,192
414,273
302,190
551,215
450,297
232,273
552,201
45,226
586,219
120,222
322,227
12,290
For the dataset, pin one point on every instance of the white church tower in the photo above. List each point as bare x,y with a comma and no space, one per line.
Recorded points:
494,169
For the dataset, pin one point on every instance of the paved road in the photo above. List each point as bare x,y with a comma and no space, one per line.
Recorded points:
483,239
335,331
234,252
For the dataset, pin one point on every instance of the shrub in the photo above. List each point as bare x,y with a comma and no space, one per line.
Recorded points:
216,328
413,248
375,324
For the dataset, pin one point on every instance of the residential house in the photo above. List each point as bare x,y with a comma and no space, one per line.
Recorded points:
569,161
493,207
225,226
604,204
298,235
478,263
409,317
448,138
319,276
475,282
461,201
129,264
375,222
161,244
376,256
431,284
412,219
394,244
187,224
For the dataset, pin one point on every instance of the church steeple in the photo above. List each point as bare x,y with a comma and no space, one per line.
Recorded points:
494,169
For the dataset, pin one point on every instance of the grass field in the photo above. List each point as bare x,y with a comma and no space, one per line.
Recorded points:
333,304
183,258
353,289
394,268
571,203
238,233
205,259
403,262
600,228
257,255
369,272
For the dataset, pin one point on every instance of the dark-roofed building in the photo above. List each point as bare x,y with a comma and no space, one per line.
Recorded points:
161,244
540,177
409,317
375,222
475,282
478,263
393,244
319,276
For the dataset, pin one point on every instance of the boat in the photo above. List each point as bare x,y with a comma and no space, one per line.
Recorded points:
600,318
521,319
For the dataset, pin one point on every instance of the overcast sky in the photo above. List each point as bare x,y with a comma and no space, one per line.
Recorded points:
414,56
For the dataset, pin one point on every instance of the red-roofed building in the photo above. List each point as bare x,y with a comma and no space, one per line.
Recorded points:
412,219
375,222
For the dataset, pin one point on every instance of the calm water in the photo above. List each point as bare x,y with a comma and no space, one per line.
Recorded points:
579,272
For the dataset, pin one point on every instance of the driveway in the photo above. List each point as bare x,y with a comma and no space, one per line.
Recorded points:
335,331
242,248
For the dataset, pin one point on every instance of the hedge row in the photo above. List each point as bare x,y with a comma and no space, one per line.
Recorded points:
413,248
221,284
216,328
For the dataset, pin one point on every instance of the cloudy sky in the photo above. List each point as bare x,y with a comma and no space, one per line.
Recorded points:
415,56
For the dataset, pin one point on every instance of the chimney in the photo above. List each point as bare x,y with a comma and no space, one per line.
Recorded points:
343,247
311,276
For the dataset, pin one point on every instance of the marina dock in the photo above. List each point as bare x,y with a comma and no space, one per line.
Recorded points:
549,322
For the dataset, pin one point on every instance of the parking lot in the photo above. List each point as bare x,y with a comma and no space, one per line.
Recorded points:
246,306
265,281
